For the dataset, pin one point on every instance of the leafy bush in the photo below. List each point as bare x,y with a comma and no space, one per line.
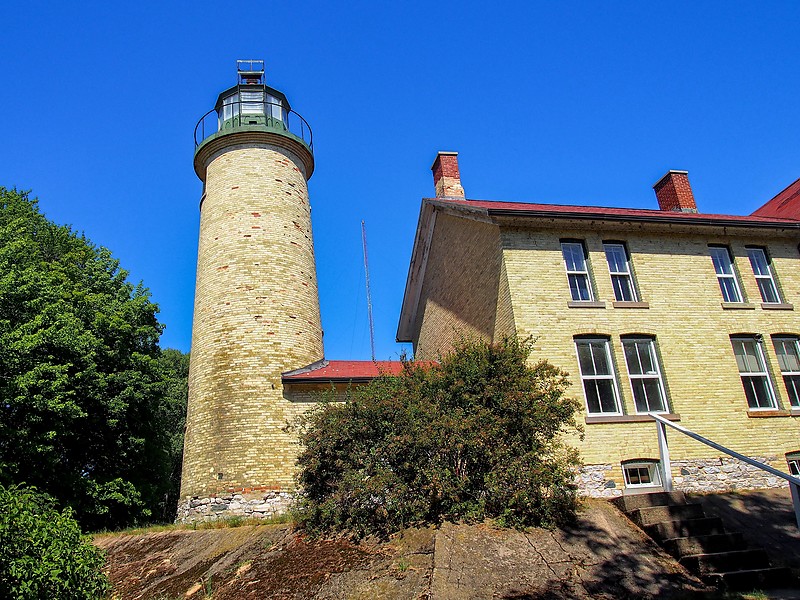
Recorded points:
475,436
42,551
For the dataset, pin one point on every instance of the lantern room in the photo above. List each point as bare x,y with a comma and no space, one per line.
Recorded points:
252,108
251,101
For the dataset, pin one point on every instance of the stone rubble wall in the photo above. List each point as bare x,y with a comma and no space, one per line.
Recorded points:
706,475
262,506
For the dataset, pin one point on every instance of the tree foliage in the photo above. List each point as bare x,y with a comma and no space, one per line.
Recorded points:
84,387
476,436
42,551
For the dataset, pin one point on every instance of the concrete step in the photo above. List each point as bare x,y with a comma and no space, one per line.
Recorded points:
633,501
685,528
704,544
751,579
723,562
650,515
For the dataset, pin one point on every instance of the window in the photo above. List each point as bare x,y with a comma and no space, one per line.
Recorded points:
788,351
794,465
645,374
728,283
597,375
577,271
753,371
619,267
642,474
763,273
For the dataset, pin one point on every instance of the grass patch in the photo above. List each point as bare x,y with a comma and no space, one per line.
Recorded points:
200,525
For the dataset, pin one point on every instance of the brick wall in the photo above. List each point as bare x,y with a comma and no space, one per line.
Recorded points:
256,315
675,276
463,292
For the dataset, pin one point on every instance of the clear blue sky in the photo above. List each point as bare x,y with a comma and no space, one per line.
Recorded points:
563,102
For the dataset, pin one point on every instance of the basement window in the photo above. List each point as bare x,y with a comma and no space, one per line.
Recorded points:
643,473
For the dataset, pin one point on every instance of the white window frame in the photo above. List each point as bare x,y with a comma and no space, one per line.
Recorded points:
654,376
653,468
791,379
794,466
626,274
763,372
612,376
578,273
727,261
768,278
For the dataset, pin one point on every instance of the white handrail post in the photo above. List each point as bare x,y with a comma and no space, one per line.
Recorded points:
663,450
795,488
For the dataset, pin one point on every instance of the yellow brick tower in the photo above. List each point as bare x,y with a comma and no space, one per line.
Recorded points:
256,311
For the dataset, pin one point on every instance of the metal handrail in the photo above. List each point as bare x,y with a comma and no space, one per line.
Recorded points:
663,449
291,122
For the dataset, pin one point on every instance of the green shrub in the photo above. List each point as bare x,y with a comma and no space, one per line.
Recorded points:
42,551
475,436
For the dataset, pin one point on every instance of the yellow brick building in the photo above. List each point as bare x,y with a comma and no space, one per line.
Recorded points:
690,315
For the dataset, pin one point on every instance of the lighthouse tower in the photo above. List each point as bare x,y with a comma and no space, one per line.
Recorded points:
256,311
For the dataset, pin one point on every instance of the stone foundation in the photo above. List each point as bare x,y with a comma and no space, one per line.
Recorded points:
704,475
595,481
227,506
723,474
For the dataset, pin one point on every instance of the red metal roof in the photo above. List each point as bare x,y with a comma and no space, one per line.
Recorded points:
604,212
785,205
344,370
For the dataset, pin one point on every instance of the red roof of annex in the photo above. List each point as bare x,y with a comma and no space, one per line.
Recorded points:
344,371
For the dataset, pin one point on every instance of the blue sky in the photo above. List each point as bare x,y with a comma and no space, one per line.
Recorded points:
568,102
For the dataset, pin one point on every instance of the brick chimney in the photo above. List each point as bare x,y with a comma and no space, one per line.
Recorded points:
446,178
674,192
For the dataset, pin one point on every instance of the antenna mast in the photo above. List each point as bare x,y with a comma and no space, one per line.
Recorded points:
369,295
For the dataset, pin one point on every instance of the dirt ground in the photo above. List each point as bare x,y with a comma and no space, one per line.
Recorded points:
603,557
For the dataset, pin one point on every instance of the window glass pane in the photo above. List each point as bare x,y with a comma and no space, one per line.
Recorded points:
757,391
794,467
655,401
623,290
729,291
758,261
592,395
600,357
617,261
573,256
639,395
747,357
632,357
792,383
579,287
787,352
585,358
722,261
608,399
767,289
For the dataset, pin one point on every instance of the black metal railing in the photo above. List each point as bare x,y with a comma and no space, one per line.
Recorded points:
269,115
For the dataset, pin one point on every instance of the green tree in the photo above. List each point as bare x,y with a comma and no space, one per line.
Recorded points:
475,436
42,551
82,379
172,416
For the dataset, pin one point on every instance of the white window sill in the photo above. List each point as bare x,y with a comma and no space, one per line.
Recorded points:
642,418
585,304
628,304
776,306
767,413
737,306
